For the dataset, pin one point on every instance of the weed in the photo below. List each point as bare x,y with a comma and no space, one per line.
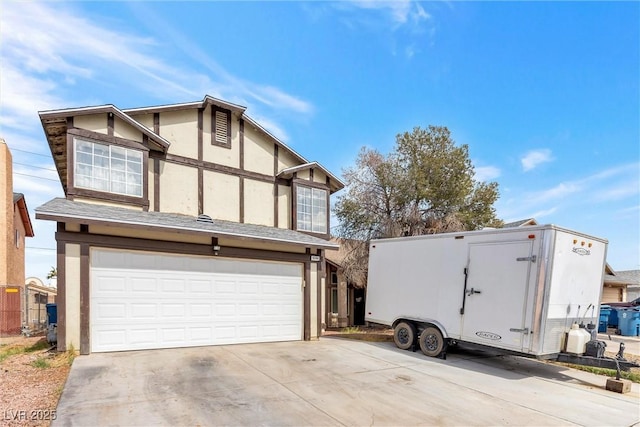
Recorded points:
41,363
40,345
631,376
11,351
351,330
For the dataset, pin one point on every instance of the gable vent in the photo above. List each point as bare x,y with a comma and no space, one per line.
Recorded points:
222,130
204,218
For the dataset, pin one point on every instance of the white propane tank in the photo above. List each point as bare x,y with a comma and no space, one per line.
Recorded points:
577,341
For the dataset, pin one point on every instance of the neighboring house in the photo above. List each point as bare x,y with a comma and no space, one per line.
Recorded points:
184,225
345,299
16,226
521,223
620,285
36,297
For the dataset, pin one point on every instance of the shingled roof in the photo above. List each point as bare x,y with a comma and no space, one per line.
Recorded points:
64,210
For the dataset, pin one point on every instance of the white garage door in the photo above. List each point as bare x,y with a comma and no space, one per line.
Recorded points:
142,300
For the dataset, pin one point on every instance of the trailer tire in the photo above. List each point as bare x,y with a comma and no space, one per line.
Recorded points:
404,335
431,341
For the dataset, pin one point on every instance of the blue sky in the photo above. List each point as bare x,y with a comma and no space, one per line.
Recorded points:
546,94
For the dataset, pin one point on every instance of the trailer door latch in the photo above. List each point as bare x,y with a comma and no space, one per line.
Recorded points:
531,258
524,331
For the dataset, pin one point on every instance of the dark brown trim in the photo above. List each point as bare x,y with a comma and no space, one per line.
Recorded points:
307,298
70,163
200,157
310,184
61,302
110,124
136,244
319,271
276,187
311,174
156,185
214,109
241,190
209,166
156,123
100,137
85,301
241,140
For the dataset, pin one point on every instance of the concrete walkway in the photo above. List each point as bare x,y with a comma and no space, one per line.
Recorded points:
333,382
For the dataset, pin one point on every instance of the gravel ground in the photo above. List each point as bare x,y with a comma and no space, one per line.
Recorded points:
31,381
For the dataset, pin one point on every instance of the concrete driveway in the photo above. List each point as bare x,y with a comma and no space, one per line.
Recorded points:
333,382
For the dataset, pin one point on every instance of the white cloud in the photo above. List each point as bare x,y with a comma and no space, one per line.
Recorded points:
400,11
535,158
487,173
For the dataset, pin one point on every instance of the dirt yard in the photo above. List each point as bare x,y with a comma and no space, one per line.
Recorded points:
32,378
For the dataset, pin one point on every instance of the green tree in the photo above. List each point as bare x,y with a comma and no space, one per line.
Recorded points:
426,185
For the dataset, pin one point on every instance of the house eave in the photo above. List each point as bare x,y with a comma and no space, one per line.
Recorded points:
212,231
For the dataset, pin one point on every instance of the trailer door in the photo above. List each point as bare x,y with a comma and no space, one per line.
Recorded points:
494,302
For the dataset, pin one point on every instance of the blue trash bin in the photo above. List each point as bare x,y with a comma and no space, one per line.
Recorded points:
605,310
52,313
629,322
613,318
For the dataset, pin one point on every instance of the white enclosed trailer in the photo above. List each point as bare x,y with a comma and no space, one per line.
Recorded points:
515,289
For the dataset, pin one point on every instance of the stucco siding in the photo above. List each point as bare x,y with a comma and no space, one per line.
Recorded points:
72,295
286,160
284,206
303,174
149,234
145,120
122,129
319,176
105,203
221,196
258,152
258,202
92,122
151,184
178,189
180,128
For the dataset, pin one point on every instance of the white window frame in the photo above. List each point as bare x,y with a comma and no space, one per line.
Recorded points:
125,185
311,209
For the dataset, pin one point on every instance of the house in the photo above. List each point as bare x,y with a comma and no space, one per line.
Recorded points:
16,226
184,225
620,285
36,297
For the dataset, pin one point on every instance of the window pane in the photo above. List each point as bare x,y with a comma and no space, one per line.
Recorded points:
101,150
118,153
311,209
134,166
108,168
84,147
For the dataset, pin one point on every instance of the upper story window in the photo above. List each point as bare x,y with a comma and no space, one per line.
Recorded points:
311,209
108,168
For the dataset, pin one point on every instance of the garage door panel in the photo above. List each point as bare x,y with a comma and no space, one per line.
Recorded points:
179,301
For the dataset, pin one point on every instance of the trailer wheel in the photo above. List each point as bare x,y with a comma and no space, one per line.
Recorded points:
431,341
404,335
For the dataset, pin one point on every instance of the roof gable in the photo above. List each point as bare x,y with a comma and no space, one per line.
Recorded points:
20,202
